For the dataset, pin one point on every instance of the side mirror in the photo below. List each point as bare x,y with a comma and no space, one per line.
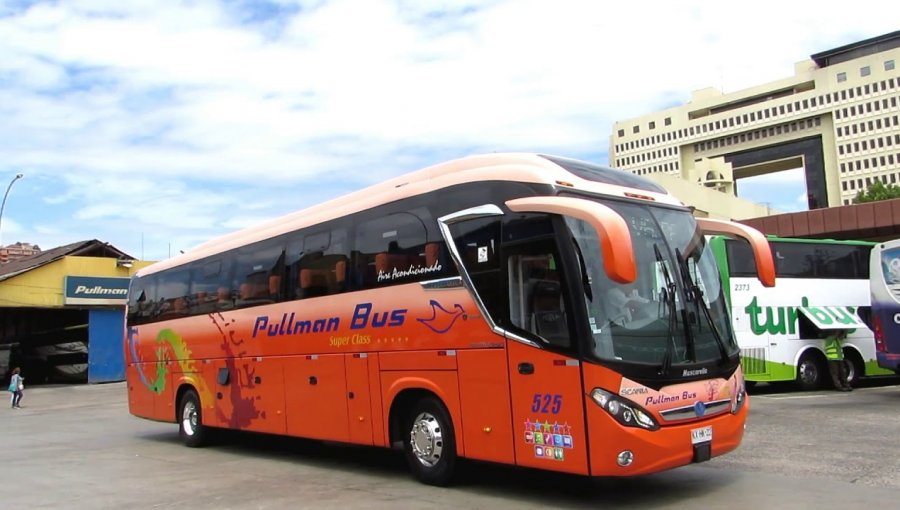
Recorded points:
762,252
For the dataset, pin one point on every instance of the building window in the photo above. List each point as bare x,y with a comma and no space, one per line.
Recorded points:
841,77
636,129
621,133
888,65
652,125
865,71
668,121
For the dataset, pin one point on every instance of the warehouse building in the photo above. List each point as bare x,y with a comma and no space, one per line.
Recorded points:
62,313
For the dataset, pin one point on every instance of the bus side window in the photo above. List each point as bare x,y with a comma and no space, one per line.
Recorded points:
205,280
392,249
314,264
173,294
254,267
142,299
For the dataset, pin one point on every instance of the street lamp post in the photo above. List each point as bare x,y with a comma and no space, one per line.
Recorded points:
3,205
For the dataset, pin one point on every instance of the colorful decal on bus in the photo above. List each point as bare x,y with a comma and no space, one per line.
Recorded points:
550,440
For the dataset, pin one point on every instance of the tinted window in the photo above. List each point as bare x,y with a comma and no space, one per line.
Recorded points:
478,243
172,294
740,259
803,260
397,248
142,300
258,272
318,263
210,289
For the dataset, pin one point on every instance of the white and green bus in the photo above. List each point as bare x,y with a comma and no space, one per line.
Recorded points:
821,284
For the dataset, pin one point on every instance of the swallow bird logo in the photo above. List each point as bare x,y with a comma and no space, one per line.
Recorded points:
442,319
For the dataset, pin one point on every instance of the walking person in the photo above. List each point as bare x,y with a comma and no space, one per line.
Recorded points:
16,387
834,351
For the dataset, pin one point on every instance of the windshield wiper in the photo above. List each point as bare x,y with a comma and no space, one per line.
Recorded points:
669,297
700,304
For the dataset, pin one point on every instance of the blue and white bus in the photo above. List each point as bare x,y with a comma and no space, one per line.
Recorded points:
884,270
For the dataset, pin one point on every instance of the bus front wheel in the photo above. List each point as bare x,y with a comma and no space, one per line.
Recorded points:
190,420
810,372
429,442
855,367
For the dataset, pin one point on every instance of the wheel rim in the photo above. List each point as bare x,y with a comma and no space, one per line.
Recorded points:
189,418
809,373
426,439
851,369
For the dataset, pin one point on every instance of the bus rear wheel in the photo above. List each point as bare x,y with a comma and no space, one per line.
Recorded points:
810,372
429,443
190,420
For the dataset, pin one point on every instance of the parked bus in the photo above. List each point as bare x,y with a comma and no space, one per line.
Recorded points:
884,268
458,311
780,330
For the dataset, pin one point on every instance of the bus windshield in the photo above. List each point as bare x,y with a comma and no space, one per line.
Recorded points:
674,314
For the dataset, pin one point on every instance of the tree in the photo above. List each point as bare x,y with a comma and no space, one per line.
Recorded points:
877,191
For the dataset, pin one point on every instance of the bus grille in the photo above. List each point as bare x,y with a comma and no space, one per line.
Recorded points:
753,361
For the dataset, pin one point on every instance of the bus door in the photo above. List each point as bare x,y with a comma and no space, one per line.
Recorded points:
545,377
513,264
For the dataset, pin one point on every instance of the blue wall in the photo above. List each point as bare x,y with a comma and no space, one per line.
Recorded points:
106,355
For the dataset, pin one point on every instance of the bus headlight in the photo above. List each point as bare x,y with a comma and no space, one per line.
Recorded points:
739,399
624,411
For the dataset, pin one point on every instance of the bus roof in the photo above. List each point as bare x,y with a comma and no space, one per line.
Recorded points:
514,167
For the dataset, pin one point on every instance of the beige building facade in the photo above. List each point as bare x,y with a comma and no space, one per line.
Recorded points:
838,118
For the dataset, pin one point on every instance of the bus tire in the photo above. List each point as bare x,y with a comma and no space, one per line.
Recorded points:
855,367
810,371
190,420
429,442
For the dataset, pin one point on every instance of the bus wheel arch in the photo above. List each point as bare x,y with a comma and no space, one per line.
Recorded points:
189,416
422,424
812,366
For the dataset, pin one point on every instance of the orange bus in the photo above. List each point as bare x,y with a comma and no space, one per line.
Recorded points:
473,309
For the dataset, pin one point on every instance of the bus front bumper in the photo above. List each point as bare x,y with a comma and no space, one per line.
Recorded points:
669,447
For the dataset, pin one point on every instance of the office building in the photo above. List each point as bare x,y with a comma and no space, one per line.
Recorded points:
837,117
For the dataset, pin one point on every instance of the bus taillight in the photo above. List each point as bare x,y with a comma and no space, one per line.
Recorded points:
878,333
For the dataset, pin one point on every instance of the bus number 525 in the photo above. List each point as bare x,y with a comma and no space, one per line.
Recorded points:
546,403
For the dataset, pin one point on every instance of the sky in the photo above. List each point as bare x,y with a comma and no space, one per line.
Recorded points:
155,125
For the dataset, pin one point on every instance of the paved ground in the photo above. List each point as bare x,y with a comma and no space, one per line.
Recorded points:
76,447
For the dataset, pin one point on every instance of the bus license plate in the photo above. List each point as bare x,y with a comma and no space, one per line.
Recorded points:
701,435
